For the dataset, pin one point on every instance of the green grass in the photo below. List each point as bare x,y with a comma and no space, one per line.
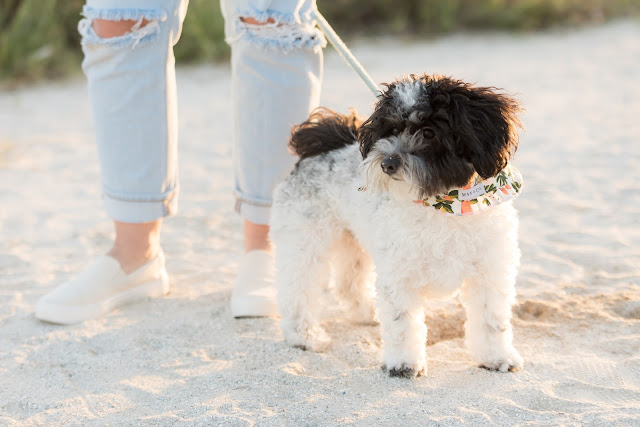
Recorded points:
39,38
202,36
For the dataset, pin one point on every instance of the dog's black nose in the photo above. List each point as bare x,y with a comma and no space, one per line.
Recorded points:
390,165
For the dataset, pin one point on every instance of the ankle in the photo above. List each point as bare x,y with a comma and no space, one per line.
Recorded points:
135,243
131,259
256,237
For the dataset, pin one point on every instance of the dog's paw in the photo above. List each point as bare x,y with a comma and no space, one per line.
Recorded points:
405,370
314,339
511,363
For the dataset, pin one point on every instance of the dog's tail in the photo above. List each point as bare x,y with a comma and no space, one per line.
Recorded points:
324,131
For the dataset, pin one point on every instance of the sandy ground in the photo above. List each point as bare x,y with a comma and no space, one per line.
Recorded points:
183,359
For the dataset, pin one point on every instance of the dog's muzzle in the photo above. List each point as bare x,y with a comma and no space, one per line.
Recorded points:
390,165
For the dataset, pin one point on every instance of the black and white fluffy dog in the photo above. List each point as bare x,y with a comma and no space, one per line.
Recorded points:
421,190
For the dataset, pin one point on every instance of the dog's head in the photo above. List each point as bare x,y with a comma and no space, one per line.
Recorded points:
429,134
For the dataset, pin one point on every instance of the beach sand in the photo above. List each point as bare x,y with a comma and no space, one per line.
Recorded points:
184,360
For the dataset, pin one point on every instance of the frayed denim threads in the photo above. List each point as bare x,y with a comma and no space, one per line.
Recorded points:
133,39
293,28
282,37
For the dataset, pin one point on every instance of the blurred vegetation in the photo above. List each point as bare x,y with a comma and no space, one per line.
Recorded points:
39,38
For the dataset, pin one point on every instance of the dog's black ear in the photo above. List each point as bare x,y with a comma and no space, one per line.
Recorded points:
324,131
375,126
488,128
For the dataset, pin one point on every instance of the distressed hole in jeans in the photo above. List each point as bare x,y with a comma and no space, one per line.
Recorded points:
119,28
252,21
106,29
271,34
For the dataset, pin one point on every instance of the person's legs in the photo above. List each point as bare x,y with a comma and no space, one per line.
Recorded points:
276,76
135,243
276,59
129,66
130,70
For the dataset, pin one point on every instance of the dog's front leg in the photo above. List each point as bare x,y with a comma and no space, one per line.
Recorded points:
488,333
404,332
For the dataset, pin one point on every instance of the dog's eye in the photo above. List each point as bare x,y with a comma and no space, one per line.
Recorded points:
428,133
394,131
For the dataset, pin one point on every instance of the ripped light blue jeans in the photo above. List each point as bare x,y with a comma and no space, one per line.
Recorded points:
276,78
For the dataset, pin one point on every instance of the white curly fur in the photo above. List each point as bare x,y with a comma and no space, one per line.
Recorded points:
320,221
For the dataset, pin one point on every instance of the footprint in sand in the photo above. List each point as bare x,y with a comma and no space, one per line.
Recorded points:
627,308
600,381
536,311
445,326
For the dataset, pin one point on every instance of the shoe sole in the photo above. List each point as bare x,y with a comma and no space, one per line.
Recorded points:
68,315
253,307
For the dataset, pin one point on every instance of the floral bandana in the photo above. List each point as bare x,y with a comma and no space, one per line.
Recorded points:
479,195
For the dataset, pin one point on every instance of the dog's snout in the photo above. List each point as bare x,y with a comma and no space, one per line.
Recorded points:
390,165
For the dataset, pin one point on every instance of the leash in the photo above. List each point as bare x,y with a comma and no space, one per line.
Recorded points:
345,53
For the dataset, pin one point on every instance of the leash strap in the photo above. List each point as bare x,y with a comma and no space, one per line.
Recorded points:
346,54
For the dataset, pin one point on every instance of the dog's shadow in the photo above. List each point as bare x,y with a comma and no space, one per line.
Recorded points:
445,324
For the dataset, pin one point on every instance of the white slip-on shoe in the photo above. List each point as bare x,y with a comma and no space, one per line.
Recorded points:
254,292
102,287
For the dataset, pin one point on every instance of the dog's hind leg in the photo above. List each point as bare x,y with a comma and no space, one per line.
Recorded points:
355,279
302,268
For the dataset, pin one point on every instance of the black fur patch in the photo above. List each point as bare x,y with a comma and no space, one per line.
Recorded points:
324,131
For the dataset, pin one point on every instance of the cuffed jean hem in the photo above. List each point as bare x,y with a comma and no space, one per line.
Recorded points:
256,211
139,211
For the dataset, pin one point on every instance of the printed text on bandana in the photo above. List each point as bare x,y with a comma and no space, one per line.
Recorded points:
472,193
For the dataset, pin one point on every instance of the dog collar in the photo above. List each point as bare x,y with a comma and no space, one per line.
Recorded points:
479,195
